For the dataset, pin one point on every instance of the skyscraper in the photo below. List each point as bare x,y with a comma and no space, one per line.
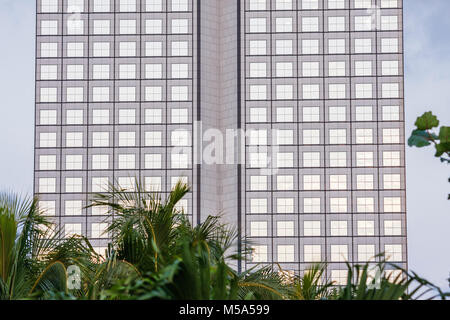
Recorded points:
310,92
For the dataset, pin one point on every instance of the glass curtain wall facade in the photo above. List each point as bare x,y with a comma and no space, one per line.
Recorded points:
316,85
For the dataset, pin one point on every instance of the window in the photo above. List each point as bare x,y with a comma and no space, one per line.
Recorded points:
153,26
390,90
310,4
258,183
338,159
391,136
258,159
49,6
75,72
338,136
100,162
153,184
363,91
391,159
311,205
309,46
153,71
153,6
180,5
257,5
74,94
310,24
283,25
180,26
258,92
153,116
365,205
363,4
72,229
336,4
364,113
153,161
364,136
49,72
285,228
286,253
180,93
180,161
310,69
49,27
338,205
100,72
311,229
153,93
127,49
366,252
47,140
49,95
102,27
100,94
389,23
153,138
101,49
284,92
339,277
100,139
285,160
392,228
364,182
257,47
364,159
392,181
339,253
127,161
258,229
285,205
363,68
337,91
363,23
127,116
312,253
363,45
311,114
339,228
99,230
74,162
257,137
282,47
338,182
49,50
393,252
127,94
391,113
180,70
47,185
389,45
100,116
284,114
127,139
283,5
336,24
73,208
102,6
257,25
283,182
392,204
47,117
258,70
336,68
336,46
127,6
311,91
311,159
389,68
180,48
48,207
47,162
153,48
366,228
258,206
74,185
75,27
337,114
259,254
311,182
74,139
389,3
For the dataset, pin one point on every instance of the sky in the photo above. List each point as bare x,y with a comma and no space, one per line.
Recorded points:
427,87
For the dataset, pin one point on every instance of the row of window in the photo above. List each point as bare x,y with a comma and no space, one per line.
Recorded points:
75,184
125,49
99,6
103,94
337,228
333,46
312,24
126,27
125,71
334,114
338,253
124,116
364,205
256,5
287,69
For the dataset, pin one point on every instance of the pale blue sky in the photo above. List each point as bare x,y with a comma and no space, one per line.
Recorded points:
427,46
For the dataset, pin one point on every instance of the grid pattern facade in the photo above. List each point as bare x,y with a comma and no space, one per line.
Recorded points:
323,82
114,97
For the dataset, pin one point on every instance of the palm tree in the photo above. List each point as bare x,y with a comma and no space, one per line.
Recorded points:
33,261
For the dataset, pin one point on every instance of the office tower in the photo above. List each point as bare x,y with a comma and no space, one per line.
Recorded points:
312,90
